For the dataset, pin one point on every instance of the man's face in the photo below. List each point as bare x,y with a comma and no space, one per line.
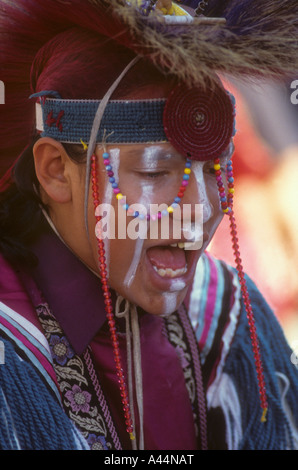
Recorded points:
148,261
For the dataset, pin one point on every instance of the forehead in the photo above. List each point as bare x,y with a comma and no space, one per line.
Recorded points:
149,154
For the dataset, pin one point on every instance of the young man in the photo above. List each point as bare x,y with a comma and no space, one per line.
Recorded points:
120,332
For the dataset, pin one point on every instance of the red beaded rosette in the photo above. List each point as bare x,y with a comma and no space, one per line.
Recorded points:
199,122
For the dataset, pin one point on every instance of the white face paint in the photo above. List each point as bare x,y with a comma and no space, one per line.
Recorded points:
149,161
170,302
197,168
130,275
177,285
107,197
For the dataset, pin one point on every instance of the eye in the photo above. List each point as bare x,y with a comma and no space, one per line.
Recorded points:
209,168
152,174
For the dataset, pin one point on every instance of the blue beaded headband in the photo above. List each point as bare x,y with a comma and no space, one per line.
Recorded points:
70,121
198,123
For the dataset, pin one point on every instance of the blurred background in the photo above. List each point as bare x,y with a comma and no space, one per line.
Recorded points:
266,195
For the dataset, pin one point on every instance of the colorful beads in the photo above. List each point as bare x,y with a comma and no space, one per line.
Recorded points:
120,197
226,201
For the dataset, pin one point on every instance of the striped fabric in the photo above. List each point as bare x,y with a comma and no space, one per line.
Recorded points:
214,310
32,417
29,342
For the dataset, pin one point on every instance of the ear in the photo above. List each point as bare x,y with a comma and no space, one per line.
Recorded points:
51,167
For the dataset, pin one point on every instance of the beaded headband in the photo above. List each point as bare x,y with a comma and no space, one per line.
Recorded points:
199,123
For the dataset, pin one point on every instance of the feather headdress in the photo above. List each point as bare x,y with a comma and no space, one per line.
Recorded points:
255,38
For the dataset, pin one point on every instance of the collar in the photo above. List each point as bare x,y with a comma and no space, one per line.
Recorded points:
72,291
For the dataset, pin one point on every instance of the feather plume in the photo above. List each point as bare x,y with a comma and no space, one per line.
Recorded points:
258,39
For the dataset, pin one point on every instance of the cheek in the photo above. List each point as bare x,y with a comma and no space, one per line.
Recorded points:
122,254
125,257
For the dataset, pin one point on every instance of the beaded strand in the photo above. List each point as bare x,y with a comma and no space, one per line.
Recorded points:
109,308
250,317
122,200
226,202
227,208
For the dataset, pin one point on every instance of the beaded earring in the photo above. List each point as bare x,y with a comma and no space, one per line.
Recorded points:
226,203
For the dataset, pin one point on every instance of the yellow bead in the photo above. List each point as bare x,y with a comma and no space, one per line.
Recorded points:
187,171
231,190
119,196
263,418
85,146
170,209
226,210
132,436
216,166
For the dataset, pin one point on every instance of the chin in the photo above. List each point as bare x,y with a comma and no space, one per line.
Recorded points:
161,304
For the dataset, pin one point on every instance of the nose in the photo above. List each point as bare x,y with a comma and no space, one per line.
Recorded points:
196,206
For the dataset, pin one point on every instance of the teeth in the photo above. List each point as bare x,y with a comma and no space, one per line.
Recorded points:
187,245
193,245
168,272
180,245
196,245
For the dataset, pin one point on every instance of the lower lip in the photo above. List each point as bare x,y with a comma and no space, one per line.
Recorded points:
168,284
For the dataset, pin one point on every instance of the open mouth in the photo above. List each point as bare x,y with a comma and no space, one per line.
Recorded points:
168,263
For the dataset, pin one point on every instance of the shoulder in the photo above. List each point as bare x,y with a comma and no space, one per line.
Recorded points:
214,307
219,318
280,374
28,382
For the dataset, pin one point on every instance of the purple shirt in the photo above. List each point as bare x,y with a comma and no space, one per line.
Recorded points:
74,295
